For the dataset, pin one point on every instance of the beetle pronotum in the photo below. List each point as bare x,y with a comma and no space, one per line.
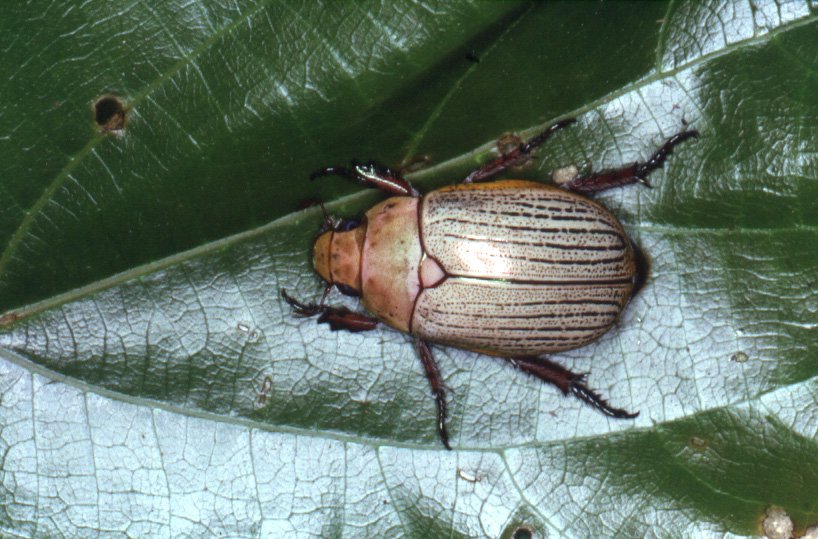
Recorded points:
510,268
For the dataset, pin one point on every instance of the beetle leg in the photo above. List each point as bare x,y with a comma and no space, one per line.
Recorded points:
637,172
516,155
338,318
341,318
568,382
371,174
438,388
305,310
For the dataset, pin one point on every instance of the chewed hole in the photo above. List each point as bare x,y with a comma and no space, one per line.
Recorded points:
110,113
523,533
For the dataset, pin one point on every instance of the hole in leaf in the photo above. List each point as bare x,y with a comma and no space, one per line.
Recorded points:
110,113
523,533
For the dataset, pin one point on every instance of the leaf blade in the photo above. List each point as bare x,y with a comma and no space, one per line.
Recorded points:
731,236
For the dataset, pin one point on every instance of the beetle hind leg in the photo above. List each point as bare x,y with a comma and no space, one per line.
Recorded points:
636,173
569,383
589,396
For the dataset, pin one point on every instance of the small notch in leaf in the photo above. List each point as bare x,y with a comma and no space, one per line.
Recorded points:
110,114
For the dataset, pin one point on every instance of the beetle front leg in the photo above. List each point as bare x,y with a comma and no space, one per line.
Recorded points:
438,388
568,382
516,155
638,172
371,175
338,318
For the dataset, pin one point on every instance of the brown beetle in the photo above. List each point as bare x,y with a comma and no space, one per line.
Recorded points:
510,268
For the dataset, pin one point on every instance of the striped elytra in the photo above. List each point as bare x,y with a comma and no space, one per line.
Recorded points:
531,269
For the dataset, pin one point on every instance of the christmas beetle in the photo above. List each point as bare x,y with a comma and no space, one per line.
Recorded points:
510,268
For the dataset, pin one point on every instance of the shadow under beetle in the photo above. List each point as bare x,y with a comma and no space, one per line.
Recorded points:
510,268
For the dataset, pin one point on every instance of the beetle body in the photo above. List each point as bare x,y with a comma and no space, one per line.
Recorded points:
507,268
510,268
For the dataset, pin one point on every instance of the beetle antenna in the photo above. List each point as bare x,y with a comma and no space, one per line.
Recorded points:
330,222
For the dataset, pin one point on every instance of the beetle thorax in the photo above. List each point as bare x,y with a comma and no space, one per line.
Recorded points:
337,256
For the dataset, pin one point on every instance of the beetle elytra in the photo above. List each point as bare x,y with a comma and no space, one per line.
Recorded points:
510,268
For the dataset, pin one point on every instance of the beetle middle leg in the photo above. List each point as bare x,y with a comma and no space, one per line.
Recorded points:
637,172
338,318
516,155
438,388
568,382
372,174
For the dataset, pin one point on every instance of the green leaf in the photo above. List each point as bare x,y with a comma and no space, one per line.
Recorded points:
154,384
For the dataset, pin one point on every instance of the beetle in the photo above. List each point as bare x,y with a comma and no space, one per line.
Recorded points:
509,268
